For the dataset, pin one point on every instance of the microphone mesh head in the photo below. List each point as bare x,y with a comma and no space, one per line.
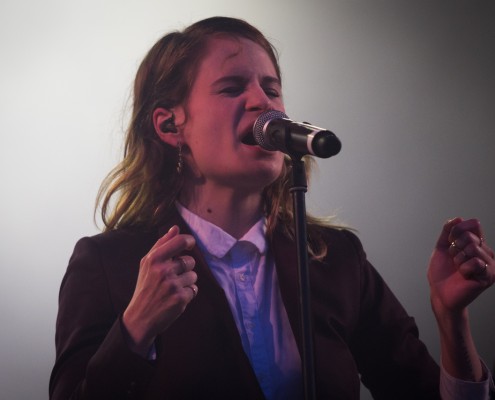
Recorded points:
259,127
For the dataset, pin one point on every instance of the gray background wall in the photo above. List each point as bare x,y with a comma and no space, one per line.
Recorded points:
408,87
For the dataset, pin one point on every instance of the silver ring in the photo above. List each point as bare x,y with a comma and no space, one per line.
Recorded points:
452,244
482,239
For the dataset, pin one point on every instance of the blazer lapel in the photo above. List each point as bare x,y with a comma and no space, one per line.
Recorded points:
209,291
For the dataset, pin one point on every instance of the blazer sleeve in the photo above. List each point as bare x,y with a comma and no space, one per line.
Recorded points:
393,362
92,358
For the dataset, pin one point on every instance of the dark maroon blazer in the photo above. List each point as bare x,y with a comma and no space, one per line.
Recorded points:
360,329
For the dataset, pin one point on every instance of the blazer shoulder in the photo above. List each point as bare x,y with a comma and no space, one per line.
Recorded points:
342,240
119,237
118,240
116,251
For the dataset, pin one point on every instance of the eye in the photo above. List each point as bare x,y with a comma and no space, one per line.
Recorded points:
232,90
271,92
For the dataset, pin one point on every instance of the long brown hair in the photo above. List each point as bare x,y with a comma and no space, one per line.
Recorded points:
141,189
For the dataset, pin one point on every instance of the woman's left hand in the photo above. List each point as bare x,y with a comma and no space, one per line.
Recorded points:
461,267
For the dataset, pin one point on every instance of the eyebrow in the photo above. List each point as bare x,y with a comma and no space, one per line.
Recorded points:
266,80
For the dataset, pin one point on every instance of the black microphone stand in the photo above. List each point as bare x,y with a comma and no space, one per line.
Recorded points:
298,189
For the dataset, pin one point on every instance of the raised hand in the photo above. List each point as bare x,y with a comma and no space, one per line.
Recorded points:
462,265
164,288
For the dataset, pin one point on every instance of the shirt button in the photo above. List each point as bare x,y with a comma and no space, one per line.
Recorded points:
242,277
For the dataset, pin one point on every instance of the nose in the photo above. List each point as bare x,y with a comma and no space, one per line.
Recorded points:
257,99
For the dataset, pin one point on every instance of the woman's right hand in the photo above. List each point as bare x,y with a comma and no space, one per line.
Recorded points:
165,286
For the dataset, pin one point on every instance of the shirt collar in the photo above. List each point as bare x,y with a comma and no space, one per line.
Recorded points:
215,240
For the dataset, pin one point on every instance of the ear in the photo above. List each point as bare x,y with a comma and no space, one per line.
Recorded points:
166,122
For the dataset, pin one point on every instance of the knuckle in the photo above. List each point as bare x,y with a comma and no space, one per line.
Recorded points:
190,261
180,241
174,286
144,260
180,300
151,257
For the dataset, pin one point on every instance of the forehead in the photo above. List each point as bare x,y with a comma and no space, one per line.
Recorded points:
226,54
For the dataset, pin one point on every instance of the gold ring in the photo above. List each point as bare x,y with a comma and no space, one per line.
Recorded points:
194,290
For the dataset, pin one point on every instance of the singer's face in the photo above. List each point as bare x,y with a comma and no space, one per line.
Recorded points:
236,81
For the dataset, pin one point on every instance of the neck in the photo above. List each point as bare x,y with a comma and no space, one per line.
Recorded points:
233,210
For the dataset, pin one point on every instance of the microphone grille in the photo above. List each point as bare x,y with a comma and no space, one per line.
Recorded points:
261,121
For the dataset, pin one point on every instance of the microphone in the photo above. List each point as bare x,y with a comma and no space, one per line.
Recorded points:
273,130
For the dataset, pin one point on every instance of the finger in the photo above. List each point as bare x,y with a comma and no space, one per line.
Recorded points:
465,239
488,250
173,231
193,289
454,249
469,225
482,268
478,269
470,250
459,257
180,265
187,282
443,241
171,248
175,285
177,244
469,268
464,246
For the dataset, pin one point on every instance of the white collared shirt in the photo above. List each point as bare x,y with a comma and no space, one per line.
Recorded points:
245,270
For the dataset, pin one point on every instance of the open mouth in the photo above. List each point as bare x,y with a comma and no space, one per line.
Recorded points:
249,139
